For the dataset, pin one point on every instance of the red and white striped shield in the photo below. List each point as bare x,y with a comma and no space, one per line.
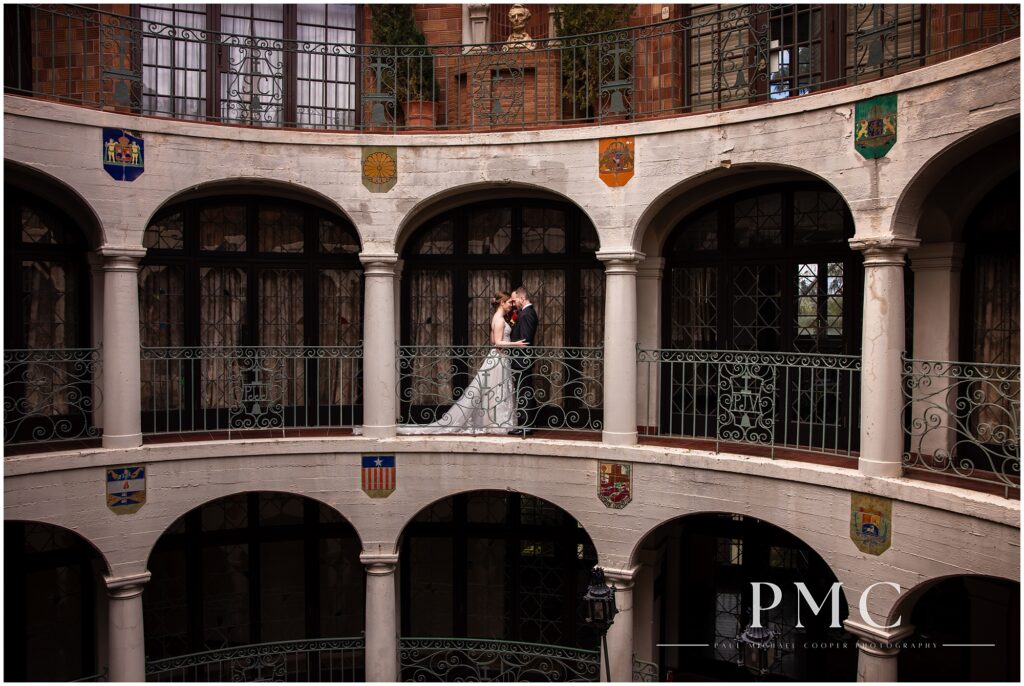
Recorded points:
379,475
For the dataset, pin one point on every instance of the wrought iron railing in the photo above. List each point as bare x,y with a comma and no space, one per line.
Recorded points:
478,660
477,389
247,388
729,56
311,660
645,672
781,401
963,420
92,678
50,395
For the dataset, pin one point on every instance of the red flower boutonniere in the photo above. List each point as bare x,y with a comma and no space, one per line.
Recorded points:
515,316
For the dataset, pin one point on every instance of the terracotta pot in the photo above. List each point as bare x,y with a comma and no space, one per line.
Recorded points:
419,114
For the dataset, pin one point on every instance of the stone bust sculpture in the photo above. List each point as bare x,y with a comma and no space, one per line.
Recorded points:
519,39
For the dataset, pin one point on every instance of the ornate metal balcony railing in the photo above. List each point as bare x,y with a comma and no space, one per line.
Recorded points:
963,420
645,672
480,660
458,388
312,660
49,395
246,388
729,56
790,401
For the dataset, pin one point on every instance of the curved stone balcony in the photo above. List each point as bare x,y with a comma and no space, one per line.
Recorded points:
705,61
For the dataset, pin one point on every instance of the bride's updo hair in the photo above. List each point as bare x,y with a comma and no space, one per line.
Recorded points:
499,297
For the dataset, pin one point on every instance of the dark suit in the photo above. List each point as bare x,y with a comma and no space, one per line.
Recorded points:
525,329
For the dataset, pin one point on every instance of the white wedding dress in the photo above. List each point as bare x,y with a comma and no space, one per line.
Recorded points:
487,406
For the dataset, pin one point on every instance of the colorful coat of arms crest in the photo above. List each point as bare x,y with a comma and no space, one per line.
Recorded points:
126,489
123,154
870,523
615,160
615,484
379,476
874,131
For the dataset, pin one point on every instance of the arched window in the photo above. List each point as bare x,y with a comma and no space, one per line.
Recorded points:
455,263
767,269
244,303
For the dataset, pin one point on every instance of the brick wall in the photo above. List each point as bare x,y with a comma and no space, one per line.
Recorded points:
75,54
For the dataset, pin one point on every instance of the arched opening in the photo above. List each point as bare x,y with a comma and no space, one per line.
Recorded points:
963,382
495,565
49,360
966,628
456,261
698,574
54,604
760,312
256,568
251,316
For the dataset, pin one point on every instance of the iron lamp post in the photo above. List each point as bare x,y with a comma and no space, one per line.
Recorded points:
601,610
758,650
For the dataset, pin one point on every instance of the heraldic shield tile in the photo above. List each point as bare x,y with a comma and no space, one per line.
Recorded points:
615,158
378,475
615,484
126,489
874,126
870,523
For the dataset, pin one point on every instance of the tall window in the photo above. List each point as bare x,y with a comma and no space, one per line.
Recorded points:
252,568
48,364
264,65
245,273
767,270
496,565
455,263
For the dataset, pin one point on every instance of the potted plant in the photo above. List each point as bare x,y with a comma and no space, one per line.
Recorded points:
410,63
597,70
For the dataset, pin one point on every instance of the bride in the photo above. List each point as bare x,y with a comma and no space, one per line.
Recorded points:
488,405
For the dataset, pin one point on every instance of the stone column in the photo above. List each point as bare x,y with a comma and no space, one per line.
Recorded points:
620,635
884,326
122,353
648,308
936,268
381,617
877,650
620,346
125,635
380,374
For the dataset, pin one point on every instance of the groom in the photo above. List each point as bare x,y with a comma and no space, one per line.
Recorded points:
525,329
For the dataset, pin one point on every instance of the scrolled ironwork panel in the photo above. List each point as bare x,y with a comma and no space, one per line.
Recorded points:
554,389
323,659
794,401
963,420
49,394
645,672
480,660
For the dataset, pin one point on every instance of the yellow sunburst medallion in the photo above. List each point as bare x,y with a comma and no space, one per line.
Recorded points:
380,169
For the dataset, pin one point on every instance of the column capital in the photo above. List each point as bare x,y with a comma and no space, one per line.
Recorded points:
621,578
625,260
379,564
875,247
944,257
379,264
877,637
116,259
126,586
